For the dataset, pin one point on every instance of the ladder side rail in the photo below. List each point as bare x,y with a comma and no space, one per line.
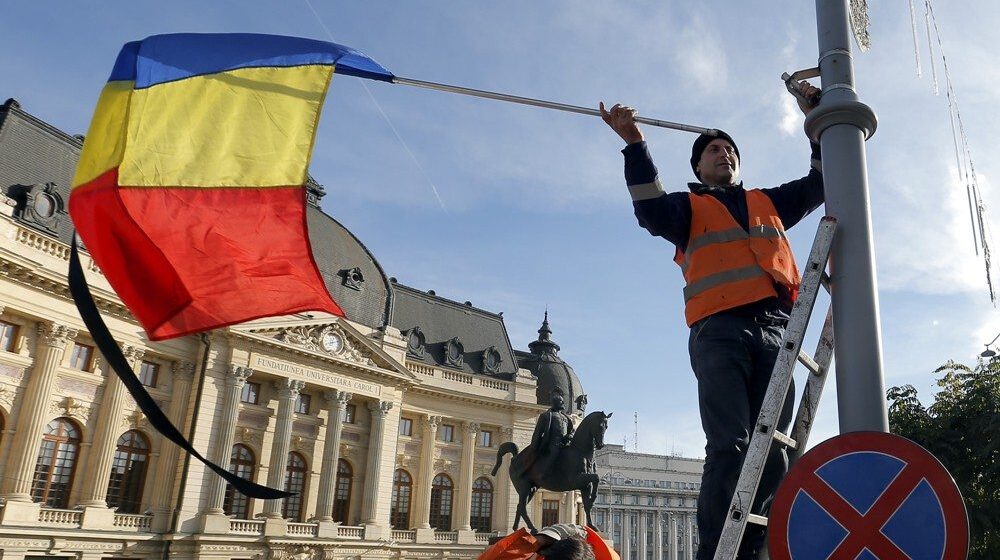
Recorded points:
806,412
781,377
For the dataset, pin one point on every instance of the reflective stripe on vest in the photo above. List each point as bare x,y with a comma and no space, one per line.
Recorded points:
724,277
725,236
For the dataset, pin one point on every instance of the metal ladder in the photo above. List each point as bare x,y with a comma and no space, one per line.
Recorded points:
765,433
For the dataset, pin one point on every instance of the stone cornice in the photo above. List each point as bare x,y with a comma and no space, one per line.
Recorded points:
29,273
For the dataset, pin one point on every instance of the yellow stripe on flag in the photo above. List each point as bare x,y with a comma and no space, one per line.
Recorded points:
105,140
250,127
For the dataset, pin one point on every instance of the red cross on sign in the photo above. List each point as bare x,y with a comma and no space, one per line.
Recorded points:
868,496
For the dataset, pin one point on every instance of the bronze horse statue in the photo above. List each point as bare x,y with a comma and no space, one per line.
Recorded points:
573,468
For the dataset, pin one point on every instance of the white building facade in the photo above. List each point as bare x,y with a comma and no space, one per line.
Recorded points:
646,504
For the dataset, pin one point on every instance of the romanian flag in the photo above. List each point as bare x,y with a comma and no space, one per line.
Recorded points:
190,192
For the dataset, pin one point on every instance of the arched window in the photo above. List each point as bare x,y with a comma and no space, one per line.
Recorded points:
295,482
399,512
342,492
128,472
482,505
442,491
241,463
56,463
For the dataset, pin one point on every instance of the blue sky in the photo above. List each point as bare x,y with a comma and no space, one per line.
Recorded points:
531,209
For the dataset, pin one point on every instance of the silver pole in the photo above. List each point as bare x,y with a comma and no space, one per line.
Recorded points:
842,124
546,104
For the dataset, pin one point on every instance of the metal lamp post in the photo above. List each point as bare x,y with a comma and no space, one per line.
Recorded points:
990,353
607,478
841,124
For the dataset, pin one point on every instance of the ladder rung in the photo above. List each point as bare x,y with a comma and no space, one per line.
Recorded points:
824,279
809,362
785,440
757,519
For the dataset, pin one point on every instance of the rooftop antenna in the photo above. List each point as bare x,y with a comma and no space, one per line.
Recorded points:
635,438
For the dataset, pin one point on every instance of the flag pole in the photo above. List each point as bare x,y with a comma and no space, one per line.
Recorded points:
546,104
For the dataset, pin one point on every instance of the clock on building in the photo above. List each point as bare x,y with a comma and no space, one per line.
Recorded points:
332,342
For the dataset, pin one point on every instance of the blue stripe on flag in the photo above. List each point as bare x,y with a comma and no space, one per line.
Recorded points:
167,58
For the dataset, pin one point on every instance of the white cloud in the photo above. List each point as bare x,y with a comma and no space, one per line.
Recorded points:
924,238
703,60
791,117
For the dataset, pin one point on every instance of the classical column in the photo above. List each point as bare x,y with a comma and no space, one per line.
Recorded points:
336,404
641,534
464,509
105,440
689,534
369,511
226,432
672,536
502,520
166,464
422,507
658,535
627,535
34,410
288,393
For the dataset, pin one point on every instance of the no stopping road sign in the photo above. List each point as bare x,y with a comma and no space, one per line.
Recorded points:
868,496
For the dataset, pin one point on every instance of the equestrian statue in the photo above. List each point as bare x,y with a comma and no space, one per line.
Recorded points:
558,458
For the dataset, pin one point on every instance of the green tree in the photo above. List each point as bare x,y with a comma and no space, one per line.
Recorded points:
962,429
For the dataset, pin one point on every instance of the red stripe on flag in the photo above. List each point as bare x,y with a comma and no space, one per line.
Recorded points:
212,256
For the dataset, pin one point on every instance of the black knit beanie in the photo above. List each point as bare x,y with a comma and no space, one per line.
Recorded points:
702,142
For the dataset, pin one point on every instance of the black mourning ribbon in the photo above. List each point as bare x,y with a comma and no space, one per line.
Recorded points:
112,353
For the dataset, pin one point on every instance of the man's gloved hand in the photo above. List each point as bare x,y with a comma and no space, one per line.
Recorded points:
810,93
621,119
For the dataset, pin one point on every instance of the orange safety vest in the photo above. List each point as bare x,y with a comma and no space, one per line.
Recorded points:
726,267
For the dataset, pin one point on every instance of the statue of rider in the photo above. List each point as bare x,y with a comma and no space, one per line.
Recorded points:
553,431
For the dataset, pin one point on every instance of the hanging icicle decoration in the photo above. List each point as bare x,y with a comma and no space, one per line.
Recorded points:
859,24
930,46
963,156
916,47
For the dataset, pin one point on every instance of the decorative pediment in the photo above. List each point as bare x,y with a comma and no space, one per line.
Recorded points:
330,339
445,465
247,436
71,407
335,340
134,420
404,460
7,395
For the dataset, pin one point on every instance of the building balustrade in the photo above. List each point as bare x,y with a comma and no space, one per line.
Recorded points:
446,536
485,537
344,532
132,522
459,377
60,517
303,529
404,536
246,527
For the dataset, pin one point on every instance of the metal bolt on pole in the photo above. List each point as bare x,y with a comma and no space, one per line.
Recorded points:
841,124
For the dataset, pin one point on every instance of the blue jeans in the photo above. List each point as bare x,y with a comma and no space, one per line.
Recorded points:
732,356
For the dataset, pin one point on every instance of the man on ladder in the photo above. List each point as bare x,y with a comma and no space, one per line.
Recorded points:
741,281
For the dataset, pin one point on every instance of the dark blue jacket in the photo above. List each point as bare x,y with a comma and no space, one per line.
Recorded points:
668,215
